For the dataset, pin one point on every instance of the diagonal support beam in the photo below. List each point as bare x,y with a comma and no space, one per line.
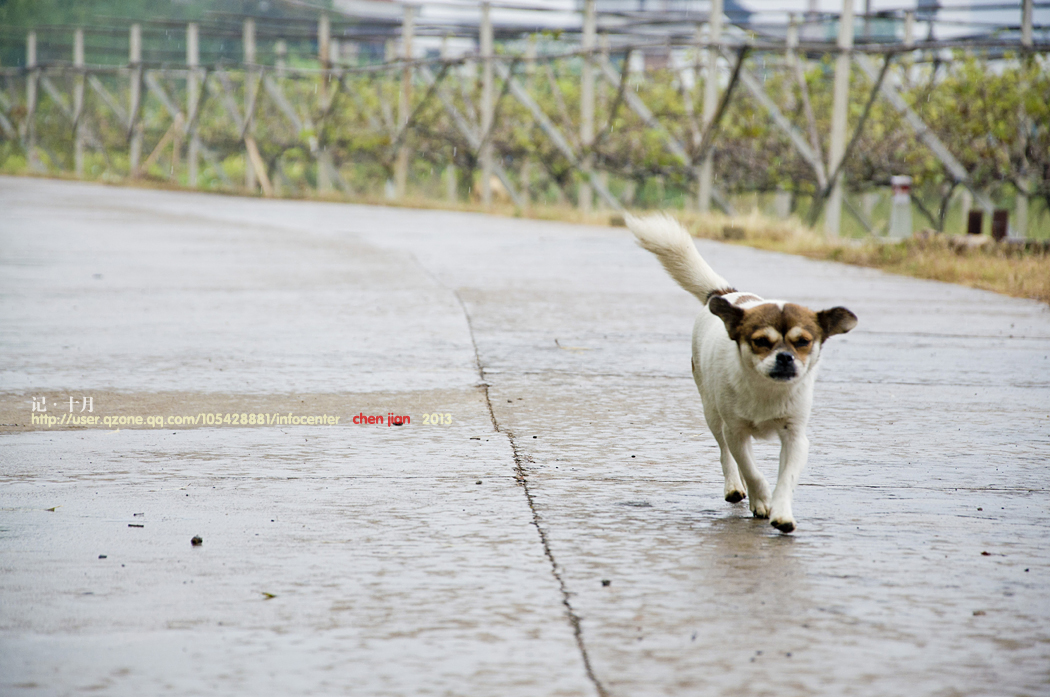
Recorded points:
467,131
226,94
106,97
707,139
823,193
56,96
891,91
282,103
158,91
556,136
784,124
635,103
411,120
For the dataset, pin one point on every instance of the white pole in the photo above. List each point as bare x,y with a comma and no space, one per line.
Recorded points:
840,105
714,35
193,93
248,33
404,102
486,103
31,80
324,55
1026,24
78,102
587,104
135,98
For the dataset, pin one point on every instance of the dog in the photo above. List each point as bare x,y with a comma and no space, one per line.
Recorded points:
754,363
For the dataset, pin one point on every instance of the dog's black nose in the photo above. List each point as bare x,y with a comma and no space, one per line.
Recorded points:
785,359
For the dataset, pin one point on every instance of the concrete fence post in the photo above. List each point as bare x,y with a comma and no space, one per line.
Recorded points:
135,98
78,103
324,55
586,196
707,167
1026,24
451,178
525,187
32,76
839,114
1021,205
193,94
248,36
487,103
404,104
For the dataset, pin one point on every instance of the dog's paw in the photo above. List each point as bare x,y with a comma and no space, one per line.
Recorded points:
759,508
783,524
735,496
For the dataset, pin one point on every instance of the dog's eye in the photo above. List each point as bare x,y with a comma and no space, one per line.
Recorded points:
802,342
762,343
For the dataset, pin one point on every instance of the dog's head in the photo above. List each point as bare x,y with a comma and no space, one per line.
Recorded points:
781,341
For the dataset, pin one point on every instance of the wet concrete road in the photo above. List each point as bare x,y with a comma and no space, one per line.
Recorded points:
564,535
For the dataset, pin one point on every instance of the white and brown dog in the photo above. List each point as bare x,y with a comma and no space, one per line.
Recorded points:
754,362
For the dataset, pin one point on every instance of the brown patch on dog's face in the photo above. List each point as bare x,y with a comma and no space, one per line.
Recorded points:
767,328
781,343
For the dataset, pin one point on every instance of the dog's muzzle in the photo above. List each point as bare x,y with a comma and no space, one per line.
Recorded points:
784,368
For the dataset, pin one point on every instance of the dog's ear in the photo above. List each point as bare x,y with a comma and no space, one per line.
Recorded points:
728,313
837,320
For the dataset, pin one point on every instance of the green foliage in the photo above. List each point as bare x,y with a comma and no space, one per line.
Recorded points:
993,115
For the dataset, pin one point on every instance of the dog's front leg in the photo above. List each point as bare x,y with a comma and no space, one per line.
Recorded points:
739,441
735,490
794,450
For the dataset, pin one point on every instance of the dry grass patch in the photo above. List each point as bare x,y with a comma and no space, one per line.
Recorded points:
1003,268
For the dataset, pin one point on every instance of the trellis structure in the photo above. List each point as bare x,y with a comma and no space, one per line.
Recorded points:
532,120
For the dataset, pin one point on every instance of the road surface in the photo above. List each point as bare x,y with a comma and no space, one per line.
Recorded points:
549,522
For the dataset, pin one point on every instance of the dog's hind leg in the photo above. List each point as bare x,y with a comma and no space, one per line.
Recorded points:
794,450
739,441
735,491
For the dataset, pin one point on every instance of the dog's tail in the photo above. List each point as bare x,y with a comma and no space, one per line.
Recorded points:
673,246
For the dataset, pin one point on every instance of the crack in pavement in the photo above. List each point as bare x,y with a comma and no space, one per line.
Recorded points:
522,479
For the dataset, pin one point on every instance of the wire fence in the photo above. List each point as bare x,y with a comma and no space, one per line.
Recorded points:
812,117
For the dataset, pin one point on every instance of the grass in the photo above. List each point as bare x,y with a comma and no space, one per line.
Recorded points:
977,262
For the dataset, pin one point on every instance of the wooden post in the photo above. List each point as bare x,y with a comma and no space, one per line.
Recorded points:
707,167
1021,205
78,103
486,103
525,187
909,28
324,36
193,94
1026,24
135,98
450,168
32,76
404,104
586,196
248,34
839,113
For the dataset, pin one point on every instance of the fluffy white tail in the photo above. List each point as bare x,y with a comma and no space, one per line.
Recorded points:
673,246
